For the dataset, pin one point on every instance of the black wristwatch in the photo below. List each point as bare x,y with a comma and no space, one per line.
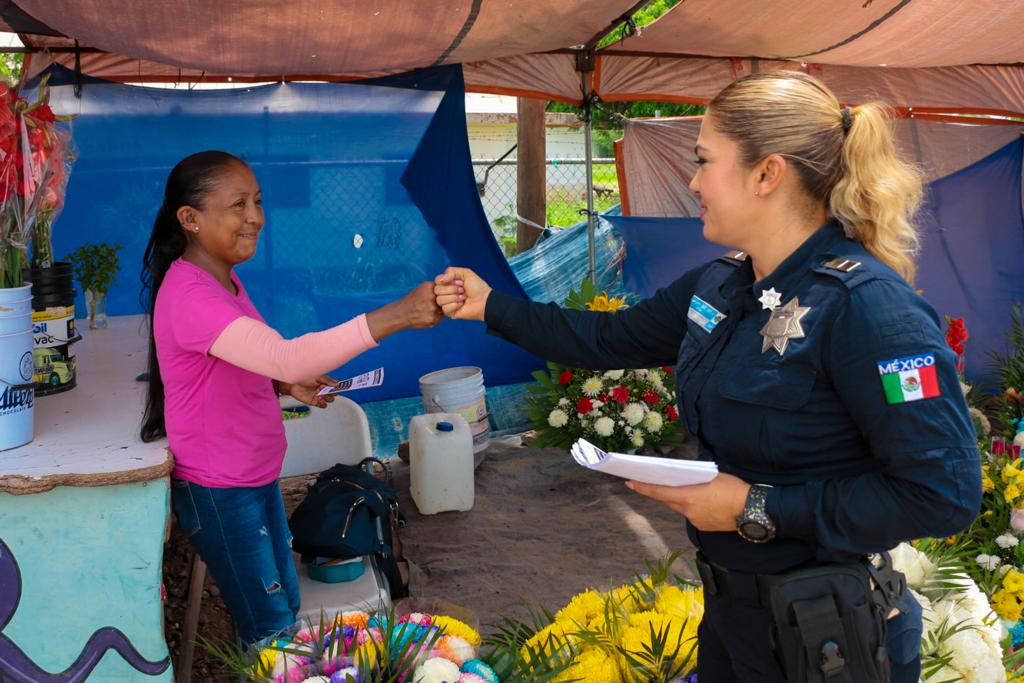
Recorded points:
754,524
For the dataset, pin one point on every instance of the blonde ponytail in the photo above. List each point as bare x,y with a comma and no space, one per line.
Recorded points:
854,169
878,193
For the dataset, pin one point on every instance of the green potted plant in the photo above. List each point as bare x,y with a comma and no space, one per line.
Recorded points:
95,267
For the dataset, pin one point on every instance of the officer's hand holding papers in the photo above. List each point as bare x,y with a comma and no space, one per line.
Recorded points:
649,470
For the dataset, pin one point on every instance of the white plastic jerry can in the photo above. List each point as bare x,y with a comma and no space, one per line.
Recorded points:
440,463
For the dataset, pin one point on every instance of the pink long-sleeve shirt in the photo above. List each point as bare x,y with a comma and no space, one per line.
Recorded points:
217,359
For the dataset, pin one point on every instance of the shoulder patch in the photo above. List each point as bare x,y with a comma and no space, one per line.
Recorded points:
844,265
734,257
850,272
909,379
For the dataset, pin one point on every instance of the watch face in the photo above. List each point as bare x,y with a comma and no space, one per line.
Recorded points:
753,531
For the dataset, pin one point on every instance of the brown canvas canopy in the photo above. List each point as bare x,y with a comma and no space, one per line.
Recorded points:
960,56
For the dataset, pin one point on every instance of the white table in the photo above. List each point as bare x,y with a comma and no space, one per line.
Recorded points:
83,512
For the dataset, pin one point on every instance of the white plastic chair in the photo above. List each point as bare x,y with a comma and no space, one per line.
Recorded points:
317,441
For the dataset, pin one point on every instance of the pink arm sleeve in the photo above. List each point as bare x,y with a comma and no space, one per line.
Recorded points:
254,346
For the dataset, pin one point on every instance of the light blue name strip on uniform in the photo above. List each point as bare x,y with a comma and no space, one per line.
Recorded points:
704,314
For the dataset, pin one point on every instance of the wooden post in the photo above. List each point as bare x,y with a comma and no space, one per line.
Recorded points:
531,180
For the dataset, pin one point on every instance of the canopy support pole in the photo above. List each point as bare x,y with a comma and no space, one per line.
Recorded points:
585,65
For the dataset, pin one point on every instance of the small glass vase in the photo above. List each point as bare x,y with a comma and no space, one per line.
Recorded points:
96,305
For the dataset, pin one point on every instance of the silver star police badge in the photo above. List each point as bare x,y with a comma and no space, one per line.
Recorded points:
783,325
770,299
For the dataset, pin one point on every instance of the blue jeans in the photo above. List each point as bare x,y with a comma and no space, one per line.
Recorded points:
242,535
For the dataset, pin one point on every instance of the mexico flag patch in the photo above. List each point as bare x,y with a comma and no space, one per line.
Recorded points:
909,379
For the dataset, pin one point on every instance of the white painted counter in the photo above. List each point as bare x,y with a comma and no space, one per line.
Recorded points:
89,436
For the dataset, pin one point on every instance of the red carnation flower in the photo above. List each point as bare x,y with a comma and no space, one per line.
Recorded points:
584,406
565,377
667,369
956,335
672,413
651,398
603,398
620,394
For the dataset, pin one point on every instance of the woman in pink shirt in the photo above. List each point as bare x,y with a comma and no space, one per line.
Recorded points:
216,370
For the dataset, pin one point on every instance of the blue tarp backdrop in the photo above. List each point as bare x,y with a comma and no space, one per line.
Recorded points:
971,263
368,190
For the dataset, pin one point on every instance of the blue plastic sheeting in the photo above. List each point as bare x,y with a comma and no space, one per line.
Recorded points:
368,190
558,261
970,265
658,250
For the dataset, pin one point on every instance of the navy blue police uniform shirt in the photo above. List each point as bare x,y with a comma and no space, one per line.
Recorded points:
859,425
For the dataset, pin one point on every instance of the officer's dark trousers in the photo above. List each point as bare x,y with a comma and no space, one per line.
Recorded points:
734,645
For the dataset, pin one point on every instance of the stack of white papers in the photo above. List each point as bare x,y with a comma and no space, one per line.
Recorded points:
646,469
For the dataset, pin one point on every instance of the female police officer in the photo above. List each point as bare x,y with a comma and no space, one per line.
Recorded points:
809,370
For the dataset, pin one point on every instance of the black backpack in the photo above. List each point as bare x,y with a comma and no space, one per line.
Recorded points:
348,513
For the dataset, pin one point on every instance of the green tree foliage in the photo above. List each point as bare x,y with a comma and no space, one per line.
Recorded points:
10,66
644,16
608,116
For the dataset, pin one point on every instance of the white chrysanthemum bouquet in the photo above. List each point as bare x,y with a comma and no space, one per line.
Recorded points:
616,410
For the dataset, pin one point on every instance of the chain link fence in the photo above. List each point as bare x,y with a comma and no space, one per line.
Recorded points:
566,193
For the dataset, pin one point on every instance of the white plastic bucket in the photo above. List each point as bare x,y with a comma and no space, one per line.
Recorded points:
459,390
17,391
15,303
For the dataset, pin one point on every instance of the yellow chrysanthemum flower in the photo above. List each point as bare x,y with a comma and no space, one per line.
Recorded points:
582,609
454,627
634,597
680,603
1010,471
266,661
1011,494
368,654
594,666
680,635
1006,605
546,641
602,302
1013,581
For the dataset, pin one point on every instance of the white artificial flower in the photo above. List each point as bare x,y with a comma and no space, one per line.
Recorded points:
989,562
965,387
1019,439
629,430
614,375
656,381
592,386
597,404
558,418
653,421
1007,541
563,401
633,413
638,438
641,374
436,670
594,414
620,423
913,563
604,426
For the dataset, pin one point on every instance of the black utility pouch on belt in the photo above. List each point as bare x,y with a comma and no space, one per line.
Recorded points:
829,622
